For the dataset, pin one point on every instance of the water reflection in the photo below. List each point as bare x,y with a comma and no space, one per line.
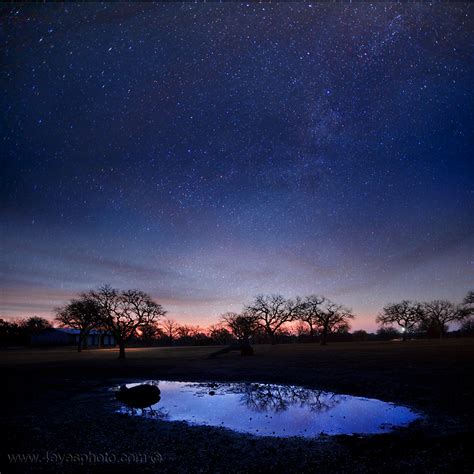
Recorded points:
271,397
277,398
273,410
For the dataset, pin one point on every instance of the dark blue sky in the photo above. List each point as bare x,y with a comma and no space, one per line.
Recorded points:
210,152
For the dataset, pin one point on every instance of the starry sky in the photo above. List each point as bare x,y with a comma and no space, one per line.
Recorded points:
206,153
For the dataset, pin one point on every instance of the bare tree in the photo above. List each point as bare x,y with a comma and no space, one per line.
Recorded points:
333,318
149,333
439,313
243,326
219,334
124,312
406,314
273,311
185,331
170,328
82,314
310,313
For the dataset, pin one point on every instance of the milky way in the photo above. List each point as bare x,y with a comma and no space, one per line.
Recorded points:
206,153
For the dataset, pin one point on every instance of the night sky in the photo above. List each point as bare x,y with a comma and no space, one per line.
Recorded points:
206,153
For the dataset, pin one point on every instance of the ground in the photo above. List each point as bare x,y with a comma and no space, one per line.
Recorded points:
56,402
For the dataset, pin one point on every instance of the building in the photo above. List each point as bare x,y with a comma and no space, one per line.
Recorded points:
70,337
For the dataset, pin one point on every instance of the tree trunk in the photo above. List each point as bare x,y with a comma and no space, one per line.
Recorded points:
79,344
404,335
272,339
323,338
122,350
246,350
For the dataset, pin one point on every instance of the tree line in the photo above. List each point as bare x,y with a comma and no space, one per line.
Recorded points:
133,317
270,314
19,332
431,316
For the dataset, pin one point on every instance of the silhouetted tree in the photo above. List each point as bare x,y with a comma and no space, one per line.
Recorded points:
431,329
333,318
243,326
273,311
406,314
150,333
35,325
219,334
387,333
309,313
82,314
200,337
438,314
185,331
360,335
191,335
123,312
10,333
170,328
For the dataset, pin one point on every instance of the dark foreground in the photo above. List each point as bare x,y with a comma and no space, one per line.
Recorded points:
56,406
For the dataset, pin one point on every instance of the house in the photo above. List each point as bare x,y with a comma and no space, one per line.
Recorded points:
70,337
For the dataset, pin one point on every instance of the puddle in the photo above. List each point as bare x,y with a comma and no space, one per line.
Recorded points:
271,410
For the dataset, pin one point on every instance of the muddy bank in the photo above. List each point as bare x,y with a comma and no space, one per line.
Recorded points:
62,405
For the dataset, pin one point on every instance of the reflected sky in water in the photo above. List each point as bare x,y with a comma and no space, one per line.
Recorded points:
273,410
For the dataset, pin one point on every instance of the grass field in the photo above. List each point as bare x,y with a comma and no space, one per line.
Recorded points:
56,401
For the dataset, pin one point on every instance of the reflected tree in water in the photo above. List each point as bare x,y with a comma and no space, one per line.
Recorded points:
274,398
